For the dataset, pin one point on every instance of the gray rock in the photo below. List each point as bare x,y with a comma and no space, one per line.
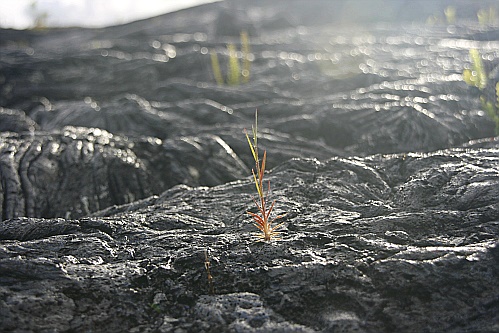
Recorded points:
361,251
16,121
77,171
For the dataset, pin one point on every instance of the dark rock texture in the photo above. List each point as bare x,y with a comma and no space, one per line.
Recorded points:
381,244
80,170
16,121
125,173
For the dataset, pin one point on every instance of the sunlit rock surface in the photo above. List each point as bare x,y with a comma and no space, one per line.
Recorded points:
125,171
76,171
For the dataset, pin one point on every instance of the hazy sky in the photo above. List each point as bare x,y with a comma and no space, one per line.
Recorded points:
21,14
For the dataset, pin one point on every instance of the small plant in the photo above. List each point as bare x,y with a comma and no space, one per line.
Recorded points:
233,71
450,14
487,17
245,48
477,77
215,67
492,107
235,76
39,17
450,17
262,220
155,307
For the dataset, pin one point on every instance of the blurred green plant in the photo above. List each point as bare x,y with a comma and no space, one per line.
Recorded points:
492,107
477,77
450,14
245,48
39,18
432,20
233,71
450,17
235,75
215,68
487,16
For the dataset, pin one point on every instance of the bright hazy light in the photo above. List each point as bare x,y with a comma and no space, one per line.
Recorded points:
22,14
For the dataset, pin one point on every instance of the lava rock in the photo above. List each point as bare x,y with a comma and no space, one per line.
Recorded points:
358,252
125,180
16,121
81,170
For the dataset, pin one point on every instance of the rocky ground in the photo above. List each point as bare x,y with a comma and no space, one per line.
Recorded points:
125,174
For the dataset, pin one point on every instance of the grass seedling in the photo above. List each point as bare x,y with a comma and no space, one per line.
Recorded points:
450,17
450,14
39,17
245,48
233,71
492,107
235,75
262,219
215,66
487,17
477,77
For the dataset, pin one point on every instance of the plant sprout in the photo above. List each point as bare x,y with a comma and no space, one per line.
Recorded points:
262,219
235,74
477,77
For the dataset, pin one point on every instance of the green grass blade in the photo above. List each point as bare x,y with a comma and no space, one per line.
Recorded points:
257,184
245,48
262,168
215,66
255,156
233,77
